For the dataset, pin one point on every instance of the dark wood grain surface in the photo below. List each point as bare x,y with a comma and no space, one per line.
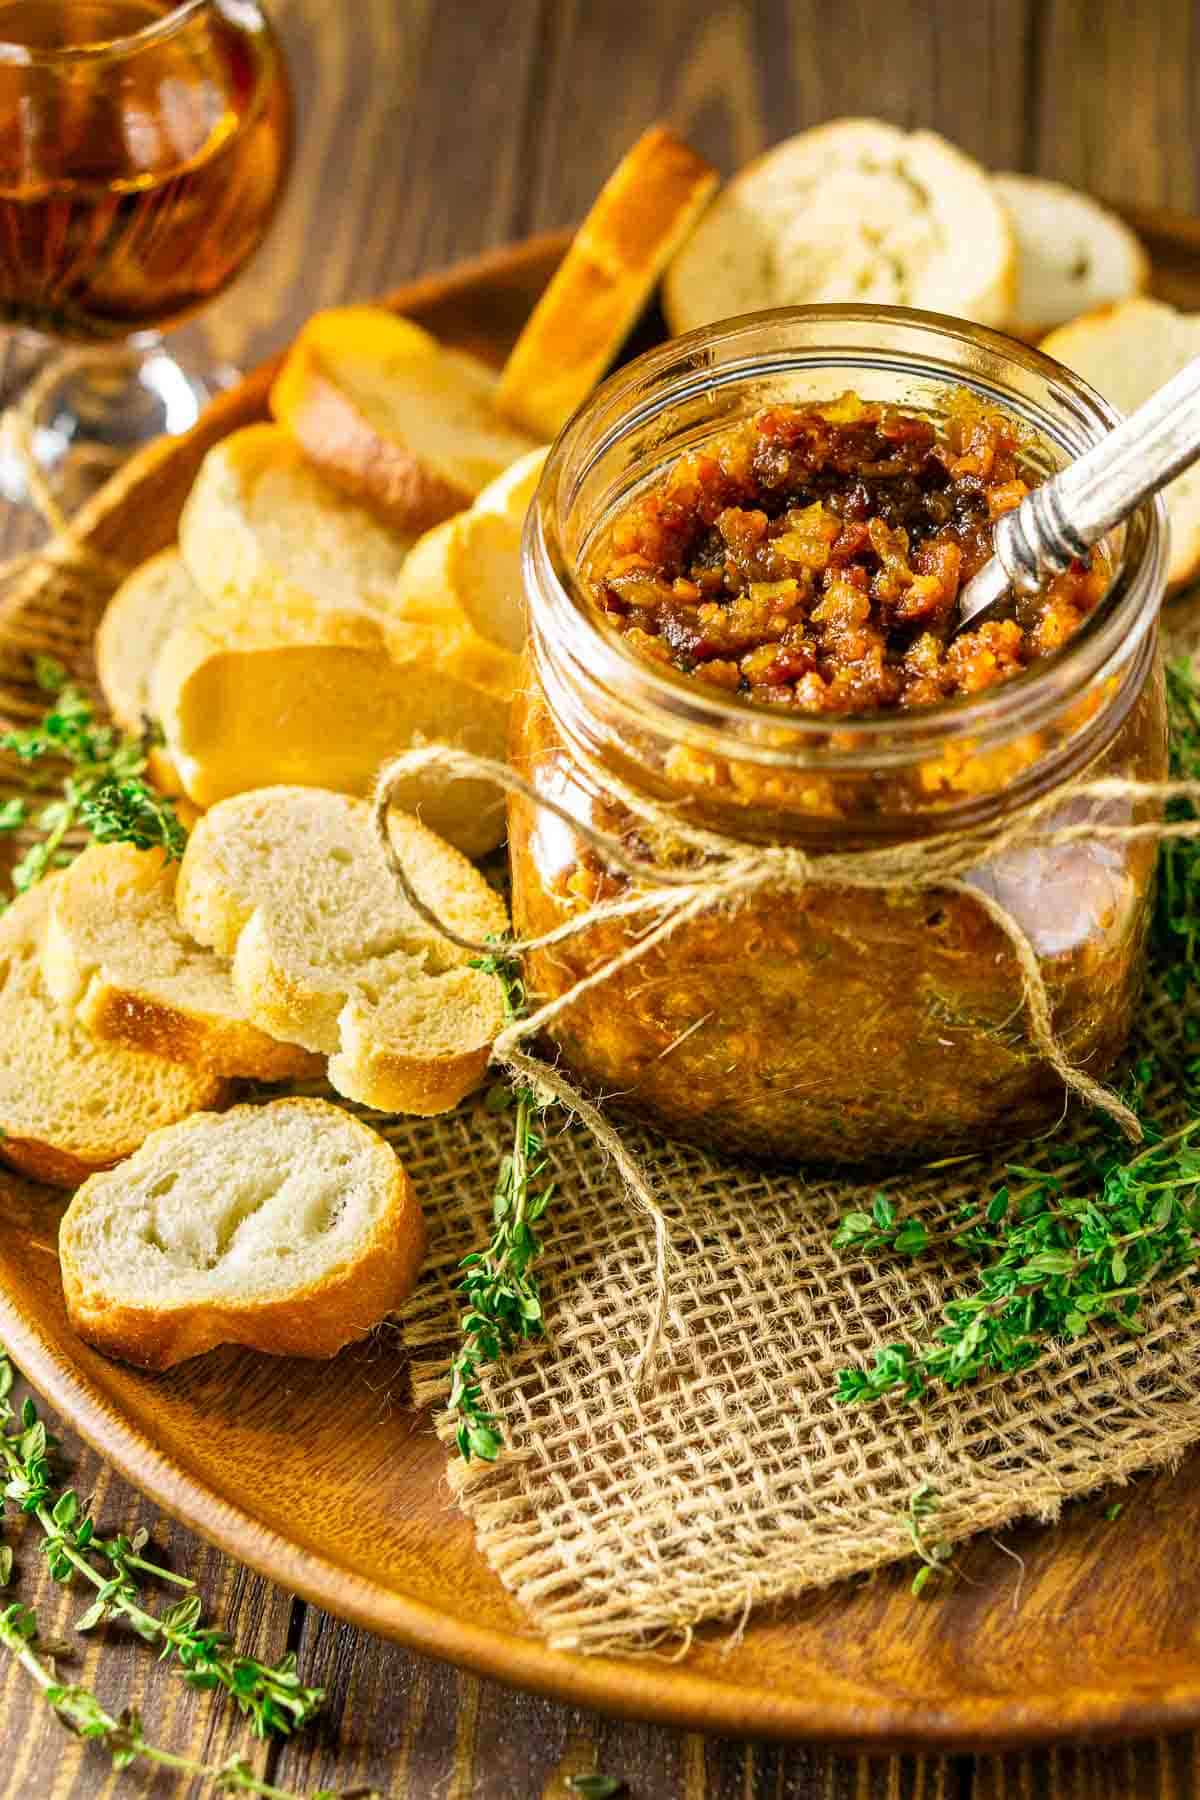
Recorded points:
427,131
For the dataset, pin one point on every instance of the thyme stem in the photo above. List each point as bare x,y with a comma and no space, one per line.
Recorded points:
271,1695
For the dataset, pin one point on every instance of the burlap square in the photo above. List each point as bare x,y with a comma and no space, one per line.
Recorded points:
734,1477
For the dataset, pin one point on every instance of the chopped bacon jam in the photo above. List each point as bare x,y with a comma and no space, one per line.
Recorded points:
812,558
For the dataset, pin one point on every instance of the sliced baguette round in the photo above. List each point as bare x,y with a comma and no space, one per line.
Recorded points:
1073,254
485,554
137,621
290,1227
469,569
70,1104
1127,352
641,216
402,425
323,700
116,955
261,530
855,211
292,884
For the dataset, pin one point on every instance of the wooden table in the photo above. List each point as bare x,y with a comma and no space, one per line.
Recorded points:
427,131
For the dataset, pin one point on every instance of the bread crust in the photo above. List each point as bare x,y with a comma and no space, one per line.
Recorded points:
1127,350
46,1129
992,304
1017,191
323,701
342,1306
640,217
405,1038
382,474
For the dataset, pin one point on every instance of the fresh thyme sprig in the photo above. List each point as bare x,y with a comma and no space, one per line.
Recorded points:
1063,1248
103,791
122,1736
270,1695
1177,916
932,1549
503,1305
1060,1250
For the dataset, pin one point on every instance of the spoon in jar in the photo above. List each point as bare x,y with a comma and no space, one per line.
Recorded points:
1062,519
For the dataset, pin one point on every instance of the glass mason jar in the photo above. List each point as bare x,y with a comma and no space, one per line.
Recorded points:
827,1022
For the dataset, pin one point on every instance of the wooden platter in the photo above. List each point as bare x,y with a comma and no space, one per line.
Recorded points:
323,1476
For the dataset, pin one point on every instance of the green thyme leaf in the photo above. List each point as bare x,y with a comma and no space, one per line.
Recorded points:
503,1307
103,790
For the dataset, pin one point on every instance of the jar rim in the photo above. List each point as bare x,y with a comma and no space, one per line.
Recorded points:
709,356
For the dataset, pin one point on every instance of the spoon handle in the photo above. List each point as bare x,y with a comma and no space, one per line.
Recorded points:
1069,513
1064,517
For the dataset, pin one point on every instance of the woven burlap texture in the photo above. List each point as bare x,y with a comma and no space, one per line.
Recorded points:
622,1519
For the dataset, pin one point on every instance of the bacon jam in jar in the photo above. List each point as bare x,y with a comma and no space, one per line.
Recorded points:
743,567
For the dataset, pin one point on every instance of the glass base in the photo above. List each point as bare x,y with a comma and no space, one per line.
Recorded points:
86,411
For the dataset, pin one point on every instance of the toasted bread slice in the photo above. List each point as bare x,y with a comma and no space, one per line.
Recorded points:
641,216
70,1104
292,884
290,1227
137,621
323,700
474,561
262,531
1073,255
854,211
117,956
405,427
1127,352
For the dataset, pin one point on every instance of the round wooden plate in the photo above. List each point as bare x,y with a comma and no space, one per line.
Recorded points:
323,1477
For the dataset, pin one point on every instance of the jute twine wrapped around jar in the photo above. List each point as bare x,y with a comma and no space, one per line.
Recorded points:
625,1512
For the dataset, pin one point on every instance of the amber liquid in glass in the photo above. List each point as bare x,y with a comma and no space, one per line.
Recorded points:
134,183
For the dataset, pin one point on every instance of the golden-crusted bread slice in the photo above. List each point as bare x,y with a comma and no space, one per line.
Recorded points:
70,1104
473,562
641,216
247,702
293,885
137,621
406,427
289,1227
855,210
116,955
1127,352
262,530
1073,254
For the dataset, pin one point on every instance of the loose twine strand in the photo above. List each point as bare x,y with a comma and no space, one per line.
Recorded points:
729,873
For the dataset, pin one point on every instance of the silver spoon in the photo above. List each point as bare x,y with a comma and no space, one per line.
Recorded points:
1063,518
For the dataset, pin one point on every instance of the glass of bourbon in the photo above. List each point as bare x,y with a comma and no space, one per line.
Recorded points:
144,146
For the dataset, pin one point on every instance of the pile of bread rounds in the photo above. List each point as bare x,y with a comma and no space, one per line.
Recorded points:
346,584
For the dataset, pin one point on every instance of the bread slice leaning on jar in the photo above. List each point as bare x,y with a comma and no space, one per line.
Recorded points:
855,211
291,883
289,1227
641,216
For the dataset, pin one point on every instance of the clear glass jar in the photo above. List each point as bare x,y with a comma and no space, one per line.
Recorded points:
831,1023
